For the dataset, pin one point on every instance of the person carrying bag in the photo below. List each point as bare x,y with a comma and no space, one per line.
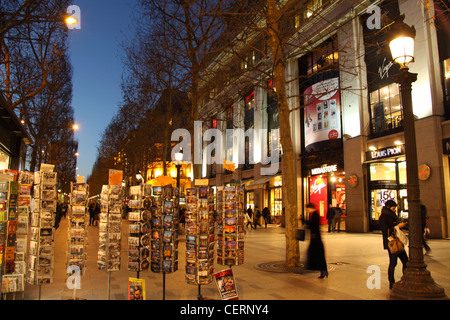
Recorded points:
391,242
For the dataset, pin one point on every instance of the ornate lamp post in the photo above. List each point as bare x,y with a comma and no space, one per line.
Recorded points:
416,282
178,161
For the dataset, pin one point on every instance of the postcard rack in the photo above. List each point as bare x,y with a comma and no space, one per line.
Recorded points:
77,233
41,251
139,229
200,238
230,224
15,205
164,233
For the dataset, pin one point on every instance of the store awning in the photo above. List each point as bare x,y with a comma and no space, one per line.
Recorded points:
11,122
259,182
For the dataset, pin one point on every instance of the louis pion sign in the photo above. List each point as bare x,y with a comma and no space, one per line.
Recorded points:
446,146
385,153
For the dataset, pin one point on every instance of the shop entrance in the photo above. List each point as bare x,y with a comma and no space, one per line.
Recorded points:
387,182
328,191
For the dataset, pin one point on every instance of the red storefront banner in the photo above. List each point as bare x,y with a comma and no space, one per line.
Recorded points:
318,196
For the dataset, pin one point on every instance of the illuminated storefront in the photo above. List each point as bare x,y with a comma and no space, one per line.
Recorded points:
387,181
327,189
275,198
14,139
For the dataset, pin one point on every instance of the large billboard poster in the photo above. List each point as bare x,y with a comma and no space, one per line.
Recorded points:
318,195
322,112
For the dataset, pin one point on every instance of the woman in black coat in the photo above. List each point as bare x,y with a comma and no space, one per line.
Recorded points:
388,220
316,252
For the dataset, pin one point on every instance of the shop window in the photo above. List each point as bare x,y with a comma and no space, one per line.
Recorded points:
387,182
384,171
386,108
229,112
402,172
311,8
322,57
229,139
249,124
272,120
379,198
276,197
249,195
4,160
447,79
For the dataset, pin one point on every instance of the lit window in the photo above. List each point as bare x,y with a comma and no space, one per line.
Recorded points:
386,108
311,8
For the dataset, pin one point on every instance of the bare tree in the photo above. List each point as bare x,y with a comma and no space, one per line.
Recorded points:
36,78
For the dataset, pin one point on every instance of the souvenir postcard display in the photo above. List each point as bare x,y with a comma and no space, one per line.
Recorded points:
136,289
139,228
40,261
230,224
226,284
110,235
77,230
199,235
15,204
164,233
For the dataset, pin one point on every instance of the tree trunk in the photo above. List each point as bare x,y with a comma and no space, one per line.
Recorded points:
288,162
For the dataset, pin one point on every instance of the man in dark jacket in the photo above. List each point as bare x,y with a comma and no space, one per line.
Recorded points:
266,216
330,217
388,220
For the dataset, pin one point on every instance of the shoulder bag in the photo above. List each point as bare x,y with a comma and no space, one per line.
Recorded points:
395,245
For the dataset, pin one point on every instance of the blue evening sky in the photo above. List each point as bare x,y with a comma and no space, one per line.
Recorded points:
95,54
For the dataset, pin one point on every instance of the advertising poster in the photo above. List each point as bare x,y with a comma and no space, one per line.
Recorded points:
322,112
226,284
318,196
136,289
115,177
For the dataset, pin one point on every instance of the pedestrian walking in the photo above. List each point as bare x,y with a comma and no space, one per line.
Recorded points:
425,229
248,217
96,214
337,217
64,209
388,220
266,216
330,218
58,215
257,217
316,251
91,213
183,216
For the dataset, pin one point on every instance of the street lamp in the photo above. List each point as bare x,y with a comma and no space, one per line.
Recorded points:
416,282
70,20
178,161
140,178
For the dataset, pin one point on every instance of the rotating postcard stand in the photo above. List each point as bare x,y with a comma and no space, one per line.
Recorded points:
230,238
77,234
109,246
139,229
200,235
15,204
164,234
41,251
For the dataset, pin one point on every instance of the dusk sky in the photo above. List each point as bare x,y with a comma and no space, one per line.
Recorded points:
95,54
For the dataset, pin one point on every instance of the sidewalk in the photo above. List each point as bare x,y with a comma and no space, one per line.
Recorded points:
261,277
